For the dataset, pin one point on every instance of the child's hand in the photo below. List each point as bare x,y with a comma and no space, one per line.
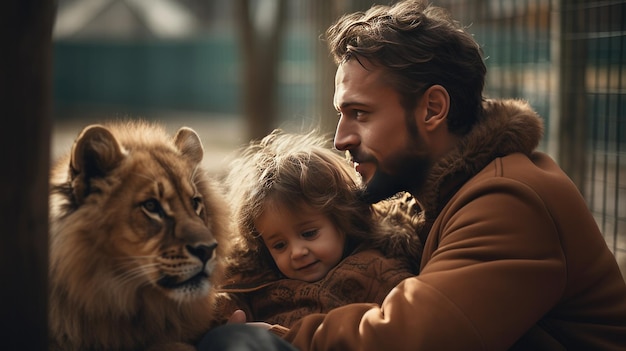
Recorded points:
237,317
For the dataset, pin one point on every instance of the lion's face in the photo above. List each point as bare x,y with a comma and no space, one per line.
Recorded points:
165,235
140,212
137,232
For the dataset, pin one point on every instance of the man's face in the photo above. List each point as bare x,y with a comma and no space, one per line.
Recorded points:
380,135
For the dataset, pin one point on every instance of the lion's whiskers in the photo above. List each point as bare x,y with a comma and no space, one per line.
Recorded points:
134,258
132,274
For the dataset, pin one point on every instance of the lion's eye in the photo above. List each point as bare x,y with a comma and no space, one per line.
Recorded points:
153,208
197,204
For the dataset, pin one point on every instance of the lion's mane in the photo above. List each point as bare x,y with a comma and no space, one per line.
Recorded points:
137,231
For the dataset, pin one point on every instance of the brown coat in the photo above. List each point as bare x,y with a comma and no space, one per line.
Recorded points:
365,276
513,259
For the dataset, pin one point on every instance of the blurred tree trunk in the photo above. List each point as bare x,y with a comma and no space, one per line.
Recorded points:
261,47
572,62
325,13
25,86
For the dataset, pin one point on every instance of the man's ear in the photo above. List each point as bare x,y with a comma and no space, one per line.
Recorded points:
437,104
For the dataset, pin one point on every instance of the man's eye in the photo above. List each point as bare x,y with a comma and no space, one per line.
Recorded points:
352,114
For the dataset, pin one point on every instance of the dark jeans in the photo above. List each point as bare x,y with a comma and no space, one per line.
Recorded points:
230,337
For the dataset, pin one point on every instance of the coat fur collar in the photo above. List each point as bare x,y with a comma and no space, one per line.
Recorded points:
506,127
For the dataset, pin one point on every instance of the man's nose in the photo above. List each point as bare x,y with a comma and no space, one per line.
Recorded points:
345,137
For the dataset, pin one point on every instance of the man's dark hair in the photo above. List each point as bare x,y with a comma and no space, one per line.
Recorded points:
419,45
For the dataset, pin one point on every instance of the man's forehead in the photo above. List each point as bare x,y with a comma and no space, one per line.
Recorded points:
359,69
353,82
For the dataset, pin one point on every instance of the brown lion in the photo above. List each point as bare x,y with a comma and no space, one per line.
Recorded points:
134,230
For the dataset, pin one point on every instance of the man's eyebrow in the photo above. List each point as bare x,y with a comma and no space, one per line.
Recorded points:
348,104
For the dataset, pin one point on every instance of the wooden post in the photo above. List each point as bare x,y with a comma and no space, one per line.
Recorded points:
324,13
25,100
572,122
261,48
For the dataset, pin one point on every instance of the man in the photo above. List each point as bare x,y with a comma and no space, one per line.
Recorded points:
513,259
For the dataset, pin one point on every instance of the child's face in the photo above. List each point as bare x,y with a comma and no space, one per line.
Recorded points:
304,243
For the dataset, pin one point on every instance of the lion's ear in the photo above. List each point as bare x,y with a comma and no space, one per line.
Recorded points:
188,143
95,153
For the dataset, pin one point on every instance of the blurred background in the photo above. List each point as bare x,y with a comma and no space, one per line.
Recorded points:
234,70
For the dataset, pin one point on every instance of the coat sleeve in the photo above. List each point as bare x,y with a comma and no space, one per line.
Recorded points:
383,275
495,266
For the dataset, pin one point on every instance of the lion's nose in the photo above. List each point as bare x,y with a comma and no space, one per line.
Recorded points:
203,252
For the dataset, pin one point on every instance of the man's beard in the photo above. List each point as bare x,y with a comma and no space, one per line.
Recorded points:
409,174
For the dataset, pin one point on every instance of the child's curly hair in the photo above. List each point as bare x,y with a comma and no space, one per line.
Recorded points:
296,170
302,169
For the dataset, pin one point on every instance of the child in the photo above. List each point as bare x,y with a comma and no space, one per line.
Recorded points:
305,243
